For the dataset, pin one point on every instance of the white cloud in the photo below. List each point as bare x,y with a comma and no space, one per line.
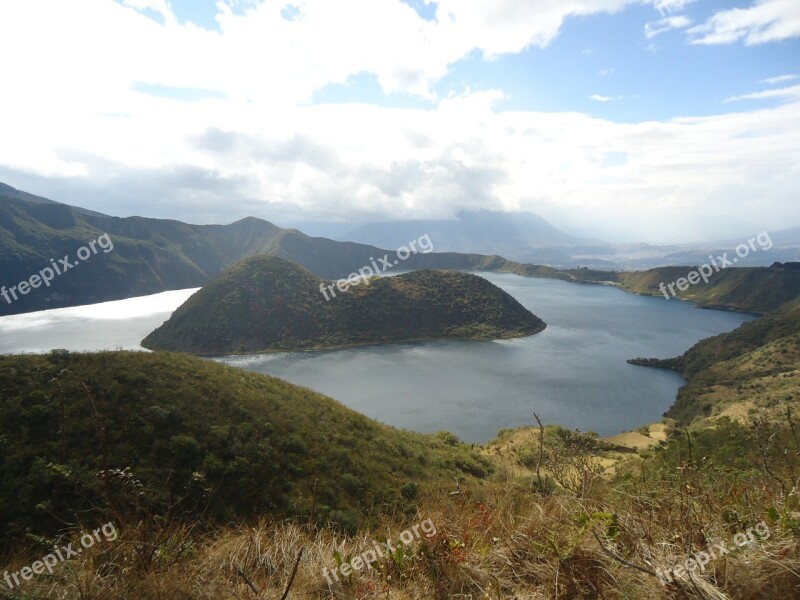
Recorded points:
262,148
326,43
509,26
765,21
655,28
364,162
158,6
600,98
789,93
779,79
668,6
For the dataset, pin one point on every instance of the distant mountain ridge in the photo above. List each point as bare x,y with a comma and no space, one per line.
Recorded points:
155,255
527,237
149,255
519,236
483,231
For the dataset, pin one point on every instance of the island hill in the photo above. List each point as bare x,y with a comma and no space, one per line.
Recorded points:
265,303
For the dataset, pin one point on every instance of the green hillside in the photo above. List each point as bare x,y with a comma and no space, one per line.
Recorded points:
128,434
148,255
198,466
154,255
758,290
267,303
755,367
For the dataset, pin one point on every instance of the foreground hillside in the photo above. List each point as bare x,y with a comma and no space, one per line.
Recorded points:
267,303
124,434
222,483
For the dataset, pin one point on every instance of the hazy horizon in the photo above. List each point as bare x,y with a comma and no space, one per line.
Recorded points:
338,228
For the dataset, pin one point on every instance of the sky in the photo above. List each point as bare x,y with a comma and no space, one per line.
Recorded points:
626,120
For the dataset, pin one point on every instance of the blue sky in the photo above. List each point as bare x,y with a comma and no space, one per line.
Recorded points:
659,120
607,55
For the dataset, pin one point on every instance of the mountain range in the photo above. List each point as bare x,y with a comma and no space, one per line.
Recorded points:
217,477
155,255
527,237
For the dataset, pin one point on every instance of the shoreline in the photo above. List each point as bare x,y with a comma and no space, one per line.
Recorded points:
312,349
571,279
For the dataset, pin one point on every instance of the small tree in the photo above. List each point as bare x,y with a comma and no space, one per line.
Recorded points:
572,461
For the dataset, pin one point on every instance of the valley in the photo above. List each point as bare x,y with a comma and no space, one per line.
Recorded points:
471,389
399,300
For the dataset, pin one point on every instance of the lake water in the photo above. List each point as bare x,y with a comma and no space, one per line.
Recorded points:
116,325
573,373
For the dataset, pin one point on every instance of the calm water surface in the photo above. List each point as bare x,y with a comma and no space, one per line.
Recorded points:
574,373
116,325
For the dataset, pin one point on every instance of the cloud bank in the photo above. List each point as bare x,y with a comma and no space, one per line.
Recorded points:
129,114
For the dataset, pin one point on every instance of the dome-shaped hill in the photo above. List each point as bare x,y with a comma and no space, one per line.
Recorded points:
268,303
177,436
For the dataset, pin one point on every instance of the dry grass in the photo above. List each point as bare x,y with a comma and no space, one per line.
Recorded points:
511,543
506,539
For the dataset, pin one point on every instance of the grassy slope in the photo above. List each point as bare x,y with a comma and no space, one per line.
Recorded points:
754,366
269,440
149,255
757,290
231,444
502,539
267,303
